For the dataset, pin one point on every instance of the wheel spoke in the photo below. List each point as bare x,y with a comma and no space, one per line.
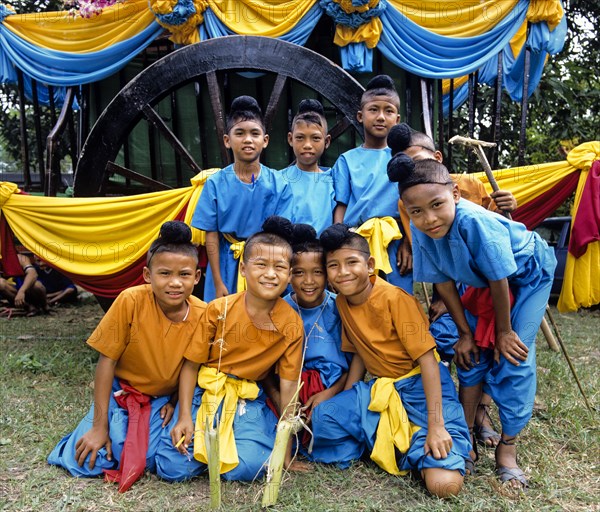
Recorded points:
276,93
152,116
153,185
214,94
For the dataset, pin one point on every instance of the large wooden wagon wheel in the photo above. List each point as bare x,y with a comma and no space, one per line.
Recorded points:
136,102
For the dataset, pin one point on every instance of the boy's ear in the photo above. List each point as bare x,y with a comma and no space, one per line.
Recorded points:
359,116
437,155
226,141
146,274
242,268
266,140
456,193
371,265
327,141
198,276
290,138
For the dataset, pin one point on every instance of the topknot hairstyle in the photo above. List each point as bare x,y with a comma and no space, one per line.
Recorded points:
304,239
402,137
311,112
399,137
244,108
407,173
380,85
275,231
338,236
174,236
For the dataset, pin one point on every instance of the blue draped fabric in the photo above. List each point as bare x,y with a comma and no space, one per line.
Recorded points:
431,55
62,68
541,41
214,27
357,57
354,19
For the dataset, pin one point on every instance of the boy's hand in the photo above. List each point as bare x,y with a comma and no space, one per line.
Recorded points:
436,309
90,442
166,413
221,290
20,298
438,442
464,347
316,399
504,200
510,346
184,427
404,257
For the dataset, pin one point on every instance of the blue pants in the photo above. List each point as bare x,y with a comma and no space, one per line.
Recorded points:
64,453
254,431
229,271
344,428
513,387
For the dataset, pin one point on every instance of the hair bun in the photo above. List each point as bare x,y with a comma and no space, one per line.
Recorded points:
399,137
175,232
303,233
246,104
381,82
334,236
310,105
400,168
278,226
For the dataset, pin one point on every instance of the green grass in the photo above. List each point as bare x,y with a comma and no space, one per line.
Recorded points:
46,372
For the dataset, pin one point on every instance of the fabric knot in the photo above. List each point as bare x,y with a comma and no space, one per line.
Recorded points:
379,233
584,155
180,17
7,189
4,12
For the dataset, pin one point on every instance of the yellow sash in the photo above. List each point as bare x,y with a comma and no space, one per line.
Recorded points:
238,251
219,387
379,233
394,429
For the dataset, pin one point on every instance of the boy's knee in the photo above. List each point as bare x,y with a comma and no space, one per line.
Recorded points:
443,483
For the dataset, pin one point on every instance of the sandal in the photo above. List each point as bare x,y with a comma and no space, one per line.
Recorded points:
470,462
506,474
486,436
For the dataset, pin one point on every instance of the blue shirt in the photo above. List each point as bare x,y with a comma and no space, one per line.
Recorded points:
312,197
481,246
360,182
323,329
228,205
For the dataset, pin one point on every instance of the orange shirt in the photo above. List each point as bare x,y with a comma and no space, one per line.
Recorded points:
147,346
249,352
471,189
389,331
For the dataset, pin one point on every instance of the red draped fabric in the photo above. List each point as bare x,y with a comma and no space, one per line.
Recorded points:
586,226
534,212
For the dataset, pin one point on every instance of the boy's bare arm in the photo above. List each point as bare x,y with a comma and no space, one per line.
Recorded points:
507,341
339,212
212,252
356,372
185,425
438,441
98,436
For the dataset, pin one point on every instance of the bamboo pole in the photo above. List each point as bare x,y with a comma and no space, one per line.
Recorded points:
275,469
211,440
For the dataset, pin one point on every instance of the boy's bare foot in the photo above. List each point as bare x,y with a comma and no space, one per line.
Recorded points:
485,434
507,469
298,466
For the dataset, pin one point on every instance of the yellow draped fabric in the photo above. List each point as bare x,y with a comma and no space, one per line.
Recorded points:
218,387
550,11
394,429
198,181
185,33
91,236
379,233
237,248
369,33
271,18
60,31
530,181
581,283
455,19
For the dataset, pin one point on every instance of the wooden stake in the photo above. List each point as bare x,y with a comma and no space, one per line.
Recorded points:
211,439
